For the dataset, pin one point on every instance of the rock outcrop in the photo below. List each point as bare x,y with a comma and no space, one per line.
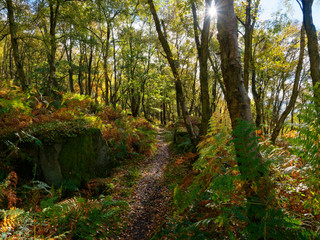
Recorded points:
72,160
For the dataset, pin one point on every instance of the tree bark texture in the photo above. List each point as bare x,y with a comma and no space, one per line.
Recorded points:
239,108
236,94
53,46
257,99
313,48
15,46
249,26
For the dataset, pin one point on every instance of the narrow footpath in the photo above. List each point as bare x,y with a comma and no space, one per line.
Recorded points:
150,201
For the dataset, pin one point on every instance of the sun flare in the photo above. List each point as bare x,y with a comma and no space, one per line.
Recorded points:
213,11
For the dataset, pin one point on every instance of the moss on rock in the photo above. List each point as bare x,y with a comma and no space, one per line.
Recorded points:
72,158
78,156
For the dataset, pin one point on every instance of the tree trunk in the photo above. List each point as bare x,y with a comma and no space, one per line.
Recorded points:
257,100
239,109
80,71
295,91
164,112
178,105
215,68
146,115
214,96
53,46
69,58
89,82
15,47
113,95
105,65
10,64
5,57
178,84
236,95
249,26
194,95
247,45
71,79
202,48
135,103
313,48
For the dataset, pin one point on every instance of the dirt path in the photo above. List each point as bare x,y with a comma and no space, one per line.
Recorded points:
149,203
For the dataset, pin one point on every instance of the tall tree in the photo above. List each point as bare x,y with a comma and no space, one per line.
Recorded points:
175,72
239,106
68,45
236,95
15,46
313,47
203,50
54,6
107,13
89,61
105,54
249,23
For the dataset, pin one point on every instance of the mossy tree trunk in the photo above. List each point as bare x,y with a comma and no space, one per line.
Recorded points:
251,166
54,11
15,46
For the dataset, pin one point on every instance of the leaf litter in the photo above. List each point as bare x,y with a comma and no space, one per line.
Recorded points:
149,204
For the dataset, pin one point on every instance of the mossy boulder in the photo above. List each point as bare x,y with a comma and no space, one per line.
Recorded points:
180,135
71,159
76,160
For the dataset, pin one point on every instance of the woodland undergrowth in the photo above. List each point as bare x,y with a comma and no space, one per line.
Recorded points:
32,209
209,196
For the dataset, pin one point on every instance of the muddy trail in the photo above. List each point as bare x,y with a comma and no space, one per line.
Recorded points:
150,201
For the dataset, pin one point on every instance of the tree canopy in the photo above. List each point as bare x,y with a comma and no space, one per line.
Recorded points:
200,68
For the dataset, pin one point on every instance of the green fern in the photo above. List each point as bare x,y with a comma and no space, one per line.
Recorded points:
85,219
307,147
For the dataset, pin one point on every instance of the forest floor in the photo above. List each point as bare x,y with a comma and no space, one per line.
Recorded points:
150,202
